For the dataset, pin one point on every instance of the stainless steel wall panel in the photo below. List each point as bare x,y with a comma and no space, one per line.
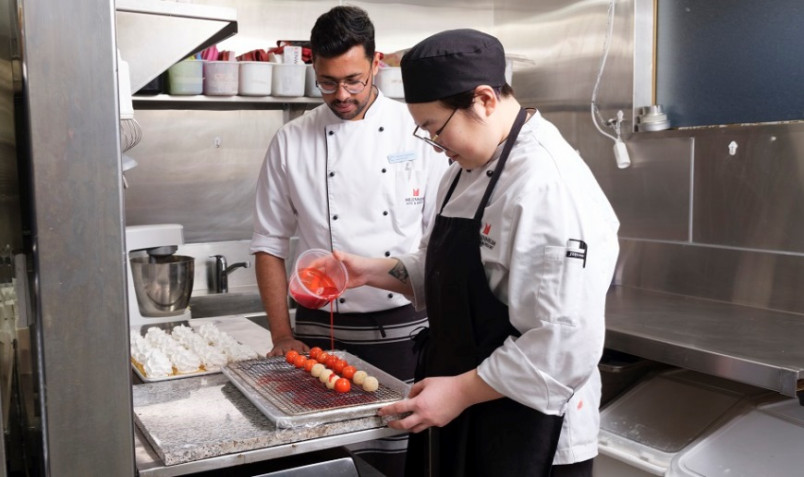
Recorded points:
652,197
558,48
745,277
199,168
81,329
754,198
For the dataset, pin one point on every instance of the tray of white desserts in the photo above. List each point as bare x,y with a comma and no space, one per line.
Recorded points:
175,350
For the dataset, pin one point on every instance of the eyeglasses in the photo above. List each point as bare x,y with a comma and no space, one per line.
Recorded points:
352,86
431,140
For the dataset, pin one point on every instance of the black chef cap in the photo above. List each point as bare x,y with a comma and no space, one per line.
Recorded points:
452,62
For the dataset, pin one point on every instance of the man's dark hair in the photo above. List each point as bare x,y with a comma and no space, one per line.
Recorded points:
340,29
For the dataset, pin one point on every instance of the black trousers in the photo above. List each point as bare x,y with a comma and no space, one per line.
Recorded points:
578,469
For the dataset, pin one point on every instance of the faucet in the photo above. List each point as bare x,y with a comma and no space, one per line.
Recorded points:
220,274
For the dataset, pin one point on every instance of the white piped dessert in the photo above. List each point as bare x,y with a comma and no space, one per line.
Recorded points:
184,351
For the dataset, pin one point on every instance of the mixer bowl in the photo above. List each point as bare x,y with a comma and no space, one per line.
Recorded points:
163,285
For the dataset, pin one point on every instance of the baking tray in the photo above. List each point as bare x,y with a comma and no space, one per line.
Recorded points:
168,327
292,397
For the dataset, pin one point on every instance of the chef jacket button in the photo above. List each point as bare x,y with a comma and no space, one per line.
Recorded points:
332,174
342,300
334,217
489,173
331,132
384,212
387,254
382,129
384,170
390,295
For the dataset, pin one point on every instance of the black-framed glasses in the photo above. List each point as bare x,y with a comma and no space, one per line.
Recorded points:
352,86
431,140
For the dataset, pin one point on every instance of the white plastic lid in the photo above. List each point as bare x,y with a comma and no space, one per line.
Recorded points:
661,416
766,441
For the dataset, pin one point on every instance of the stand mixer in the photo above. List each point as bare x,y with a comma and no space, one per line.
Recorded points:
159,282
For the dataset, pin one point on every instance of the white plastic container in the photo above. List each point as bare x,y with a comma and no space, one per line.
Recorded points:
642,431
221,78
255,78
186,77
767,441
310,89
288,80
389,81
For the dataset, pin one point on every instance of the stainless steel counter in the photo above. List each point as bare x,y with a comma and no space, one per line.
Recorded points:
755,346
204,423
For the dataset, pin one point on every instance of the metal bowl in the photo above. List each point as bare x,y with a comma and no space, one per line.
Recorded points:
163,285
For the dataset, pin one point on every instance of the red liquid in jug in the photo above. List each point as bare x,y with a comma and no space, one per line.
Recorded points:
322,287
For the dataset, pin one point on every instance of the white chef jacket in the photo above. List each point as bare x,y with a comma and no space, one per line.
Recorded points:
365,187
545,196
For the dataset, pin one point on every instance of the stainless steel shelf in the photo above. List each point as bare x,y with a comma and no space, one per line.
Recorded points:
760,347
166,101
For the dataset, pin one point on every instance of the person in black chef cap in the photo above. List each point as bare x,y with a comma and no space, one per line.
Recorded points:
514,275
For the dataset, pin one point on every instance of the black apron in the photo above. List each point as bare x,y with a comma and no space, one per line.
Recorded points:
467,323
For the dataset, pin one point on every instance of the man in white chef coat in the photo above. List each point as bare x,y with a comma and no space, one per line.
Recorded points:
348,176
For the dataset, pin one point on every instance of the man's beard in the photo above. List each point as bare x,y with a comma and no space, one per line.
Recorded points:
359,108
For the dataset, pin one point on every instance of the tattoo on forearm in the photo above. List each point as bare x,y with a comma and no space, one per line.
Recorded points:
399,272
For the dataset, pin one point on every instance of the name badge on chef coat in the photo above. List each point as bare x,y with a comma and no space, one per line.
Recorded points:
401,157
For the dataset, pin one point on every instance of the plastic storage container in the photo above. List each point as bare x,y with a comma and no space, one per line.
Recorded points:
767,441
389,81
221,78
288,80
186,77
255,78
645,429
310,89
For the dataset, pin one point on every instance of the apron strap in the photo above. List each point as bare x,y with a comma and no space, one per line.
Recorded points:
450,191
509,144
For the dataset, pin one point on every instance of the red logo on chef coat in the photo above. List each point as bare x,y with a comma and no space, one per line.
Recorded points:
485,240
416,197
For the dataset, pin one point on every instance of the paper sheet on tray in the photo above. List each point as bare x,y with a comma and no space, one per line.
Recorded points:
291,397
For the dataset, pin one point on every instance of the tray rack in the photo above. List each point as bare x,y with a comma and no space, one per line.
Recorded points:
291,397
